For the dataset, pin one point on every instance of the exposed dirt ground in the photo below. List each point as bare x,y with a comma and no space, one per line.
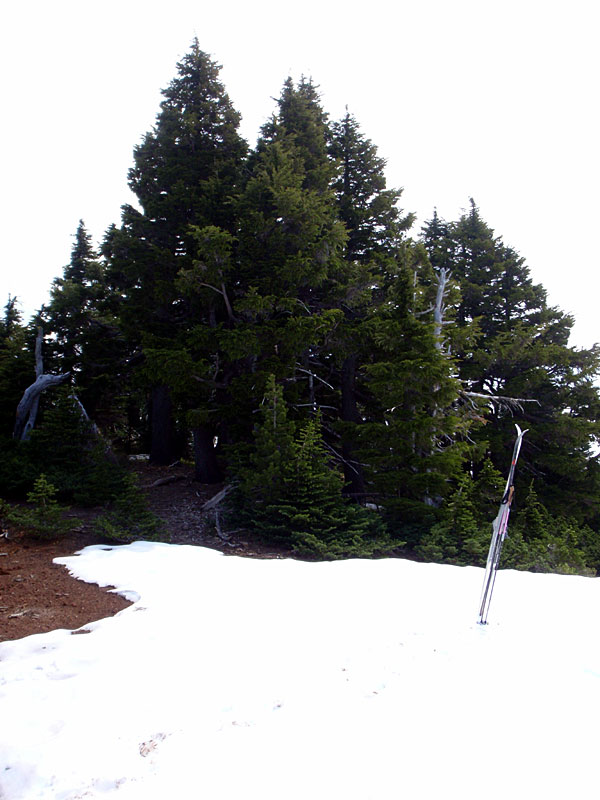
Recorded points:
38,596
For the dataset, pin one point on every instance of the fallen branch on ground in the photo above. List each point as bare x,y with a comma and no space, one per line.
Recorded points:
216,499
164,481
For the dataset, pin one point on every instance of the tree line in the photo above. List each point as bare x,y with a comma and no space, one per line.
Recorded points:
268,314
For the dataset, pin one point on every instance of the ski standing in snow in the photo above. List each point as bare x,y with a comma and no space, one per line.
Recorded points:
499,532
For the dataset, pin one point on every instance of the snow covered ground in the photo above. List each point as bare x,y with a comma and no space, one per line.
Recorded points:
238,678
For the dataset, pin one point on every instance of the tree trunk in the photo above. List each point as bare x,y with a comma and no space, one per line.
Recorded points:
163,447
206,467
443,276
28,407
39,371
353,473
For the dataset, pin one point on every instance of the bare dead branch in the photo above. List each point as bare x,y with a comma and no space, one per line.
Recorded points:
313,375
39,363
24,421
426,311
443,276
217,498
164,481
501,401
223,292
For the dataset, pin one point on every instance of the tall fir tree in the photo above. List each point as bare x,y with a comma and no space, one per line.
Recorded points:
16,364
82,334
369,209
288,493
185,176
289,252
375,229
518,348
409,439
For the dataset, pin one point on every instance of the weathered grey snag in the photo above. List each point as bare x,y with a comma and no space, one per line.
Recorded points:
217,498
443,276
39,370
92,425
499,401
28,407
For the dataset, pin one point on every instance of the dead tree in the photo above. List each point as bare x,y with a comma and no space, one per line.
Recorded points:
28,407
443,276
498,402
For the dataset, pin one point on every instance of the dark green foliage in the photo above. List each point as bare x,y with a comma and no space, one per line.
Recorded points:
300,124
263,470
77,467
44,518
368,209
288,493
274,292
70,453
541,542
463,534
187,167
129,518
66,448
82,332
273,449
408,438
314,513
18,468
507,341
291,239
186,177
373,250
16,364
536,541
244,277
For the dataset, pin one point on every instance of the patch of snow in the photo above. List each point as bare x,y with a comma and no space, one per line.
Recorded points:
241,678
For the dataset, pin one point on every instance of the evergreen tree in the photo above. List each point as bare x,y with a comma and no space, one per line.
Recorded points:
266,469
185,177
409,439
508,342
541,542
537,541
367,207
66,448
16,374
44,519
82,334
289,260
130,519
16,362
291,236
319,520
460,538
301,123
185,174
462,535
375,230
12,319
288,492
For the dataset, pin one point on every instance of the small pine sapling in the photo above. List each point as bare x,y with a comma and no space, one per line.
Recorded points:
44,519
130,519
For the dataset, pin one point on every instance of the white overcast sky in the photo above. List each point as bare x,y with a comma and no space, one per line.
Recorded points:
491,99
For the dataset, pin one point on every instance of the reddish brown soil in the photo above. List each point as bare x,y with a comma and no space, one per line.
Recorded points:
37,596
